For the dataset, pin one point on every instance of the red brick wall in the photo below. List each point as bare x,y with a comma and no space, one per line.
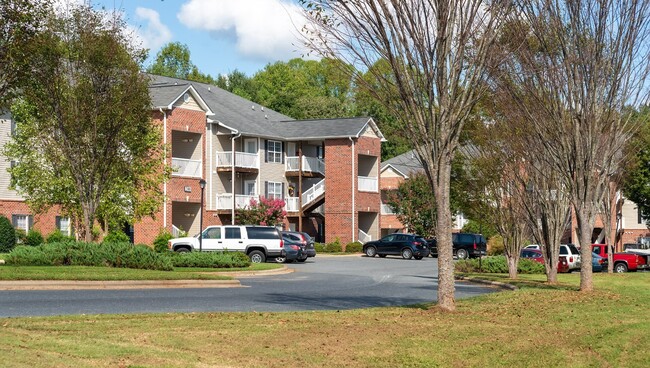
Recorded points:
45,223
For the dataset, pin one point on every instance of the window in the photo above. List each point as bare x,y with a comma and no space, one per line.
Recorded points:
63,225
274,151
274,190
23,222
212,233
233,233
262,233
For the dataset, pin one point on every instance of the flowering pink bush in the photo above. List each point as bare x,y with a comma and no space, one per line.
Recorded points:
268,211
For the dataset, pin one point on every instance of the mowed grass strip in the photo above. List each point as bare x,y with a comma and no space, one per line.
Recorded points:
531,327
84,273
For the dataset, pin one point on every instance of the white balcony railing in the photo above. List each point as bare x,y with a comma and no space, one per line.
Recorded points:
311,164
291,204
387,209
242,159
185,167
314,192
224,201
367,184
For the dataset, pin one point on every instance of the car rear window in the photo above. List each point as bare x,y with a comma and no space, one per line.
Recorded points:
573,248
262,233
564,250
233,233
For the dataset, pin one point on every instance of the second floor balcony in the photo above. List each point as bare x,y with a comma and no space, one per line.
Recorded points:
225,201
387,209
244,161
368,184
311,166
186,167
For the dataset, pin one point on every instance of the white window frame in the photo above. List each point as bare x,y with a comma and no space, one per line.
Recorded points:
274,151
277,189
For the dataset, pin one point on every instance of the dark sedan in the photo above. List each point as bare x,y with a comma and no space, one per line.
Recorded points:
406,245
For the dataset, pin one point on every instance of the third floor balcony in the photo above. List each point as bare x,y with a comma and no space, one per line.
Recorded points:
311,166
244,161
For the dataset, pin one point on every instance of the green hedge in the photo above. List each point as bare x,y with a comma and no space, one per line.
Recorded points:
7,235
354,247
209,259
160,243
498,264
334,247
122,255
58,237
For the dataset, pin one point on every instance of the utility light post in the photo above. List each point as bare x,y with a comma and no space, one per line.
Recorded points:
202,185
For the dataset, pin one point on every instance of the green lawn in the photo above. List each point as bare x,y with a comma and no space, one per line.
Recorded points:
536,326
108,273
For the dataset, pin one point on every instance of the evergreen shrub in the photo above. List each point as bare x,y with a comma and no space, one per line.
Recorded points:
7,235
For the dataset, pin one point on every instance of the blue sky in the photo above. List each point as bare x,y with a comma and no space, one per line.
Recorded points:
222,35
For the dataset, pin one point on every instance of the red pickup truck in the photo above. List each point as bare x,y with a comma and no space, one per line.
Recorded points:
626,261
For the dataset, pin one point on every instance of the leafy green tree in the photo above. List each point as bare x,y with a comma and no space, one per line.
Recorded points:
266,212
20,22
84,131
238,83
7,235
636,180
173,60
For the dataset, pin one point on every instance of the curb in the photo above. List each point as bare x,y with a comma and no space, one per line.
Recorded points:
243,274
115,285
487,282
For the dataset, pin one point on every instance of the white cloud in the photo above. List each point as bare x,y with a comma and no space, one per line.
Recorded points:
154,33
265,29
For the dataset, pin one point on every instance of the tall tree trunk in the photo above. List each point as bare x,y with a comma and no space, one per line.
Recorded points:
551,274
88,218
585,228
513,263
446,299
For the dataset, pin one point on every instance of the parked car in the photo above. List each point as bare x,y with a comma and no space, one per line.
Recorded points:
293,252
306,241
598,263
258,242
572,255
625,261
533,246
533,255
407,245
465,245
563,265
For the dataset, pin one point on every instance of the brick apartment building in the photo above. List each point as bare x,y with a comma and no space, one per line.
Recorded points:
326,171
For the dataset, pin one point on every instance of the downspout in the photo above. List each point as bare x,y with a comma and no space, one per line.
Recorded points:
232,178
165,154
208,131
353,188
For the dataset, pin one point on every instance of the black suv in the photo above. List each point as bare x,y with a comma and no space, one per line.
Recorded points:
407,245
465,245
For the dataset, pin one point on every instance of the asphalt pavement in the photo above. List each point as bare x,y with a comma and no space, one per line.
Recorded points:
321,283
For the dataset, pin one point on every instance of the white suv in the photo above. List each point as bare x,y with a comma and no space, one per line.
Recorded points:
572,255
258,242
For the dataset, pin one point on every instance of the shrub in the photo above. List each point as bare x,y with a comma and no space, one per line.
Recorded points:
21,236
160,243
116,236
209,259
33,238
58,237
123,255
495,246
354,247
497,264
319,247
7,235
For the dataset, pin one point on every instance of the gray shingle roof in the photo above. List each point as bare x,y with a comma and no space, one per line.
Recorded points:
249,118
407,163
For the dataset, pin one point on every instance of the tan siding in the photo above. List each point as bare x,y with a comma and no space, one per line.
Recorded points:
631,216
391,173
5,164
191,104
271,171
369,132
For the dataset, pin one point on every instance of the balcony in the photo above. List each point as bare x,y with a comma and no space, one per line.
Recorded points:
224,201
291,204
186,167
386,209
311,166
244,161
368,184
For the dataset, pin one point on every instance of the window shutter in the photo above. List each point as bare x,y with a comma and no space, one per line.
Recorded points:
266,150
14,220
281,152
640,215
30,222
266,189
58,222
282,191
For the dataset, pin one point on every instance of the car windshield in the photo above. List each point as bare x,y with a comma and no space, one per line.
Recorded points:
573,248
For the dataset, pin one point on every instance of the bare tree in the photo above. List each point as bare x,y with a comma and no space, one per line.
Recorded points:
586,60
437,52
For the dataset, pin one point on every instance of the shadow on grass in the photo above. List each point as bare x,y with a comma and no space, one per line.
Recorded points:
520,283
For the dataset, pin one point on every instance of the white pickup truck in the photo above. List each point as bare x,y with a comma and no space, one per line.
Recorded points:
258,242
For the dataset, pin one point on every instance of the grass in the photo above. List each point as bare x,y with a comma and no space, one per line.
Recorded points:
3,255
536,326
109,273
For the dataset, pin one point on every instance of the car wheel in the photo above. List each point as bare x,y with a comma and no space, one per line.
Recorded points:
382,255
257,256
407,253
302,259
371,251
418,257
280,259
182,250
462,254
620,268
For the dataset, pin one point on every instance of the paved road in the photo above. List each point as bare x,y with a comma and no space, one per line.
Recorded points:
334,283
